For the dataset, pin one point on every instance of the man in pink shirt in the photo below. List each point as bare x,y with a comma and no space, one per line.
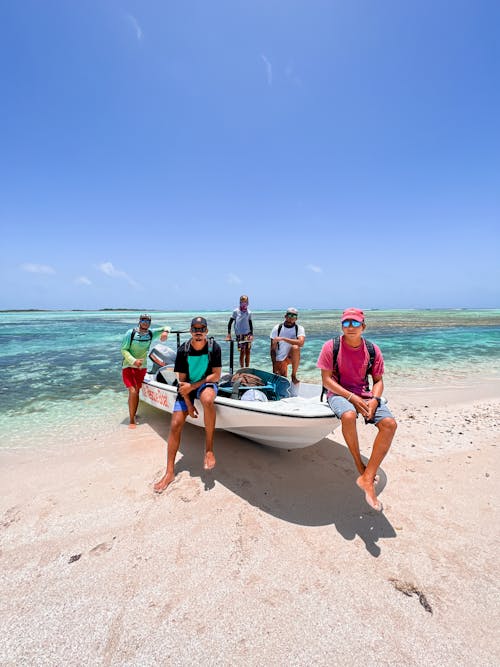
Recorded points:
346,380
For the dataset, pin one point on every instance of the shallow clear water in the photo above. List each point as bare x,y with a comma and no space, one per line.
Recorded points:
65,367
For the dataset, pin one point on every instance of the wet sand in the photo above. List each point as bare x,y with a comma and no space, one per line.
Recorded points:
273,558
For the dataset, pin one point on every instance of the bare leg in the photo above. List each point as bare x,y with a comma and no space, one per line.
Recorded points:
350,434
207,399
242,357
386,430
247,357
295,356
174,439
133,402
281,368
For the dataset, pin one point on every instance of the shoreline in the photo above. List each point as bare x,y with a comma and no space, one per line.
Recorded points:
100,414
274,558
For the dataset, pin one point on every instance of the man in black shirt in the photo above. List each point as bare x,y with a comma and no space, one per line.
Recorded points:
198,365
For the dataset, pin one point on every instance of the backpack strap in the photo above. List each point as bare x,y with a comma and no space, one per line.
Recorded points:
371,351
211,341
335,354
281,327
335,368
134,331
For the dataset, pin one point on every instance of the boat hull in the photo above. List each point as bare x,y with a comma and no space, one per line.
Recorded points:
290,423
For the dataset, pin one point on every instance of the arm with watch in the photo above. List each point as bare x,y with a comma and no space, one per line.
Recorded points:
364,406
376,399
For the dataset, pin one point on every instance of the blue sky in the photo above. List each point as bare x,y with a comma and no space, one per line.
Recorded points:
174,155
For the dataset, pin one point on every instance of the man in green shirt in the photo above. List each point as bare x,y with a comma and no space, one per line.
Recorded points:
135,346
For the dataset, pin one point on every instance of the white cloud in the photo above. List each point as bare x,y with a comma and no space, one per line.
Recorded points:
37,268
135,24
83,280
233,279
314,269
112,272
269,70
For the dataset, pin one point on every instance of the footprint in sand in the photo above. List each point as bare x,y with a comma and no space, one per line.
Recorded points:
12,515
101,548
186,489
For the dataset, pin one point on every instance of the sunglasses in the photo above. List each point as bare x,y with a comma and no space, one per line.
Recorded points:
351,323
144,319
291,315
198,329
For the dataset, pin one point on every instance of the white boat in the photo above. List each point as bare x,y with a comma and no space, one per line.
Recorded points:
288,422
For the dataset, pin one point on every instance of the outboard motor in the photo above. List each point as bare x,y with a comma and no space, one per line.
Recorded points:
161,355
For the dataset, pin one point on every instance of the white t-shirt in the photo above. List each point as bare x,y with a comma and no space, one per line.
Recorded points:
241,321
286,332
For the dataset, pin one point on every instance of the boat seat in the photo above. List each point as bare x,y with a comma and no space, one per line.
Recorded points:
275,387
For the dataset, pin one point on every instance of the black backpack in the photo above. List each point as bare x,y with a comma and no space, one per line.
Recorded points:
210,341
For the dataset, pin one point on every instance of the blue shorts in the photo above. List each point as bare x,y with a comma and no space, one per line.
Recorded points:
339,405
180,403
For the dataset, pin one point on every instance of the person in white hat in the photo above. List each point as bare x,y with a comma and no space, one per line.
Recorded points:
287,339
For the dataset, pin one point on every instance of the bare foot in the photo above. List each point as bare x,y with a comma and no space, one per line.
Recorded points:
295,379
132,425
167,479
370,495
209,462
376,479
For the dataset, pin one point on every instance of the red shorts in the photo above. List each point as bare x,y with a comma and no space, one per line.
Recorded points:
133,377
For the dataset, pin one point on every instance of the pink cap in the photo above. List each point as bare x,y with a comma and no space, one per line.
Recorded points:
353,314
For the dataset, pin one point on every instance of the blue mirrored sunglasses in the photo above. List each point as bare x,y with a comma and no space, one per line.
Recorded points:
351,323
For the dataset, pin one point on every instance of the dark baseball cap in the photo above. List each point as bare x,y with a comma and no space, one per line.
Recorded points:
198,322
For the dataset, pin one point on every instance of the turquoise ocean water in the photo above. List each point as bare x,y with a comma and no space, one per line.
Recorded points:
62,368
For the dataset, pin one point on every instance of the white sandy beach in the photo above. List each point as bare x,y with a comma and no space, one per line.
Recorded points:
272,559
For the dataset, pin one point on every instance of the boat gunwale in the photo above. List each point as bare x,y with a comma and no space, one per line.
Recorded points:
235,404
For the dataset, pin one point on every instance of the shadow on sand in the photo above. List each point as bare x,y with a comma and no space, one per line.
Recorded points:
314,486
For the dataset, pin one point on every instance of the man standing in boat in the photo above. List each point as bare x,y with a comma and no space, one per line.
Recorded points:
198,364
135,346
286,340
345,363
243,329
